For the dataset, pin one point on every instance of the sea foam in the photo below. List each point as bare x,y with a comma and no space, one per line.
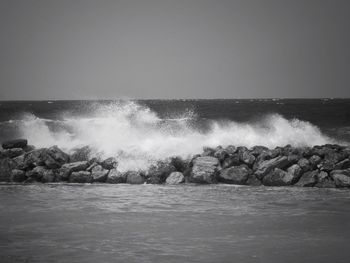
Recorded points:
137,136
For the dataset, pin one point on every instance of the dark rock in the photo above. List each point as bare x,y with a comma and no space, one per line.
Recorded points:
13,152
116,177
221,154
134,177
68,168
278,177
267,166
29,148
19,163
304,165
18,176
205,170
207,151
235,175
99,174
180,164
345,164
247,158
109,163
54,157
175,178
39,172
6,166
253,181
295,172
341,178
232,160
49,176
80,177
19,143
308,179
230,149
81,154
158,173
314,161
258,150
324,181
293,158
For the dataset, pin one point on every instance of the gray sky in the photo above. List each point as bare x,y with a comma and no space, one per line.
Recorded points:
174,49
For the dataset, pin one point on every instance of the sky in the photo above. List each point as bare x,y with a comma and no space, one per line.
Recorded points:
174,49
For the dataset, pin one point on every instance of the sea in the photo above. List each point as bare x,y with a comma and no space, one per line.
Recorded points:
186,223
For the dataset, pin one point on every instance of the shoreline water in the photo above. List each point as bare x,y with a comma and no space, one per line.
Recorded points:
326,166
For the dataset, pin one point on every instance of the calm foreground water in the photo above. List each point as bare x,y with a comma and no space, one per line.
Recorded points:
152,223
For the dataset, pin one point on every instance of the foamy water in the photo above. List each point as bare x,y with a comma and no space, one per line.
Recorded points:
137,136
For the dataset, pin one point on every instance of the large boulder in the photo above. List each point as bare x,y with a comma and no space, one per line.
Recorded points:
6,166
18,176
19,143
345,164
232,160
158,173
99,174
247,158
234,175
134,177
305,165
324,180
205,170
81,154
341,178
180,164
175,178
278,177
221,154
267,166
68,168
116,177
80,177
41,174
109,163
308,179
52,157
253,180
12,153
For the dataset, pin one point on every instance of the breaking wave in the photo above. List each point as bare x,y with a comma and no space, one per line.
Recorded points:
137,135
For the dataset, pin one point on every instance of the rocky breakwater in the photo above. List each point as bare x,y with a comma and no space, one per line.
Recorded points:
326,166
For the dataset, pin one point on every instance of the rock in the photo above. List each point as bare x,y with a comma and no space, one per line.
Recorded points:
133,177
158,173
207,151
81,154
221,154
6,166
304,165
39,172
29,148
19,163
116,177
230,149
34,158
13,152
324,181
180,164
247,158
80,177
267,166
315,160
341,178
109,163
233,160
205,170
235,175
99,174
19,143
49,176
345,164
68,168
258,150
278,177
175,178
253,181
54,157
308,179
18,176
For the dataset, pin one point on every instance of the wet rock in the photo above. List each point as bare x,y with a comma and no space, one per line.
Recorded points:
341,178
278,177
19,143
18,163
54,157
80,177
18,176
304,165
221,154
6,166
13,152
49,176
232,160
29,148
253,181
247,158
258,150
207,151
267,166
315,160
324,180
158,173
38,173
180,164
68,168
99,174
235,175
295,172
308,179
205,170
116,177
109,163
134,177
175,178
81,154
345,164
230,149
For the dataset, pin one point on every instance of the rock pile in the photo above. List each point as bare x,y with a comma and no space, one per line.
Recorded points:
325,166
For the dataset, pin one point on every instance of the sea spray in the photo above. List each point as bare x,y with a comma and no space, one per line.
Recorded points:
138,136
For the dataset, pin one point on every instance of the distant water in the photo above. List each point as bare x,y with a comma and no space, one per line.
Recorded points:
152,223
140,132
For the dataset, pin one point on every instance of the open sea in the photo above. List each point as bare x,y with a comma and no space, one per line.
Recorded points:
186,223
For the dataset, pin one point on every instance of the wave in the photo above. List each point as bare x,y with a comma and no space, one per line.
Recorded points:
137,136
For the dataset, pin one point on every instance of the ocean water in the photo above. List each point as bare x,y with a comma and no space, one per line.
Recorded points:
187,223
141,132
154,223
